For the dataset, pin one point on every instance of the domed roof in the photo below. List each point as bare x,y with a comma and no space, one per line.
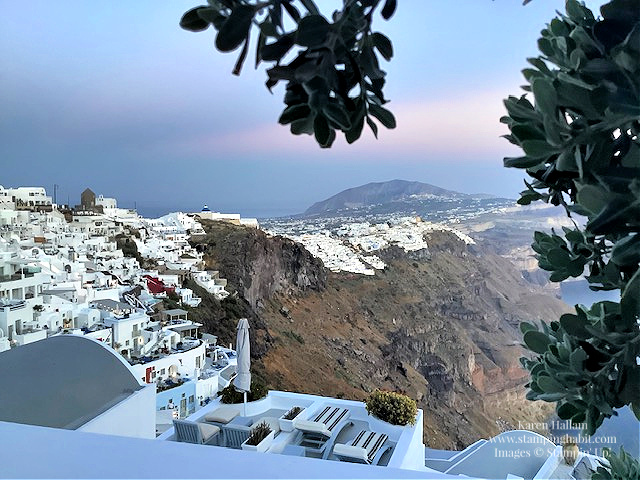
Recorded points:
62,382
205,209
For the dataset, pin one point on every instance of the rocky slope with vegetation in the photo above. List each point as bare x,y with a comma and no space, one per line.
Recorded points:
441,327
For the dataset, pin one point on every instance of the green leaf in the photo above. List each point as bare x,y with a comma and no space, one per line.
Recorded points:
538,148
193,22
527,327
630,301
337,115
545,96
536,341
356,131
310,6
383,115
627,251
566,411
293,113
592,198
549,385
574,326
383,44
577,358
521,162
235,29
372,126
278,49
304,125
312,31
321,130
389,9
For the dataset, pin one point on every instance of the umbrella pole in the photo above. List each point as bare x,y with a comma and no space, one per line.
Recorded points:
245,404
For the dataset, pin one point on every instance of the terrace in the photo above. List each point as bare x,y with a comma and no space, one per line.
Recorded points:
402,447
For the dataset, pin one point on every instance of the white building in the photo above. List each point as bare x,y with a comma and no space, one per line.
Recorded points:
23,197
107,204
92,390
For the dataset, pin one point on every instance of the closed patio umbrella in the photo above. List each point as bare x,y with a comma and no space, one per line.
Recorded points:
242,382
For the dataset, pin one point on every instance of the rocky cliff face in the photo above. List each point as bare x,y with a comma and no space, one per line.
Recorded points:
442,327
257,266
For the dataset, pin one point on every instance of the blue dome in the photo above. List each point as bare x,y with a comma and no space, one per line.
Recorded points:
205,209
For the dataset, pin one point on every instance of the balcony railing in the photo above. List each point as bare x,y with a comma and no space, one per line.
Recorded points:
15,276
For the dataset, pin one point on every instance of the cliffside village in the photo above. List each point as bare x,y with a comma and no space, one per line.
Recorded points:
63,271
126,377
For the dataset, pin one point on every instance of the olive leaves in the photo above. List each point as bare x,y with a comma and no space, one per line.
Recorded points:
330,65
579,138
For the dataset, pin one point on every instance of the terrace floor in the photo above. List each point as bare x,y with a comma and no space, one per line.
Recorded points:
276,404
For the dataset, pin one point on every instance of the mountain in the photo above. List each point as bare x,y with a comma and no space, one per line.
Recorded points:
380,193
440,325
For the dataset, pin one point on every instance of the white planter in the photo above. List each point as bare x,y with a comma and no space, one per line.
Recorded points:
289,425
263,446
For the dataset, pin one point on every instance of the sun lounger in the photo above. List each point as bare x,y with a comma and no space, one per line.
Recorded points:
223,415
320,432
194,432
368,447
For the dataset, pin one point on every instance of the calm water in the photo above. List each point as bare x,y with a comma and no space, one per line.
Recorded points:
616,431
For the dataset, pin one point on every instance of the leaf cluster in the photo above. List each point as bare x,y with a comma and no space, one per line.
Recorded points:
579,139
230,395
392,407
621,466
259,433
293,413
586,362
330,65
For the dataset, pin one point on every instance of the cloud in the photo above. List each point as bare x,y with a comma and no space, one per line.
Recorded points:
452,125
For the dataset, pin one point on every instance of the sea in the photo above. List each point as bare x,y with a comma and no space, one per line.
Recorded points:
621,430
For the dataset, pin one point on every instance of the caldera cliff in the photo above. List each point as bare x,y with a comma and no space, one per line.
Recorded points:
441,326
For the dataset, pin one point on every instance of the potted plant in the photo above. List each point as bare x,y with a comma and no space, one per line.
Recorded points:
392,407
259,439
288,420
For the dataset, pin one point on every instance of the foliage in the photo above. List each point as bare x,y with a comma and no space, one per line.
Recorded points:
294,336
258,433
392,407
581,148
330,65
230,395
621,467
173,296
293,413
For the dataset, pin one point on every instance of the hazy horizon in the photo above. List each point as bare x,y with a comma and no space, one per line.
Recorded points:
116,97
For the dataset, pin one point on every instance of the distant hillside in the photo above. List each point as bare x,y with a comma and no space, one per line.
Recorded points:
379,193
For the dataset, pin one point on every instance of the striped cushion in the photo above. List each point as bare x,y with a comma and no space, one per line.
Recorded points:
332,417
325,422
370,442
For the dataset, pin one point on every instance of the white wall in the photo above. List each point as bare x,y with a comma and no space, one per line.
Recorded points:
186,367
133,417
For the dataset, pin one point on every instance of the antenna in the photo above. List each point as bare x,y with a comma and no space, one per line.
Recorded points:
55,193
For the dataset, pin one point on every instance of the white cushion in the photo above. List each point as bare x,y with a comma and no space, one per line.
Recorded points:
207,431
273,423
313,427
223,414
349,451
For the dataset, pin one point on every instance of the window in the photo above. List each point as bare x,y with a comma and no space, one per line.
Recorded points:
191,399
162,371
127,342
